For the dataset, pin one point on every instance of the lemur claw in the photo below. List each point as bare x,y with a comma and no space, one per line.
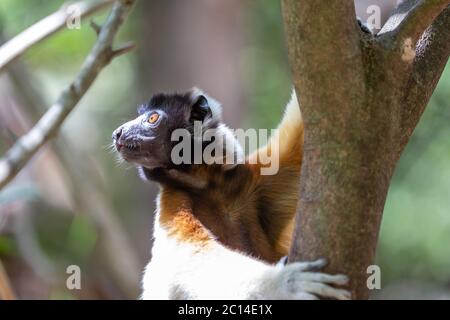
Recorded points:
283,261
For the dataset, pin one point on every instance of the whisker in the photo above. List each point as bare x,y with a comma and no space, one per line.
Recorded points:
119,160
107,146
111,148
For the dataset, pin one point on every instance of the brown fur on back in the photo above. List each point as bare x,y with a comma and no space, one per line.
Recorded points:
241,208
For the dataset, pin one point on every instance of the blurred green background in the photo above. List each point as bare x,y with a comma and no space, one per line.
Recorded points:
74,205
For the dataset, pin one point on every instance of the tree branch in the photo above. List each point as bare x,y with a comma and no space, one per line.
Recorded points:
315,31
49,124
411,18
432,54
352,127
324,47
15,47
123,269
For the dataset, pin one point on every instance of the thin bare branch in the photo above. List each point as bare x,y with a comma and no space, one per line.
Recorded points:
411,18
95,26
49,124
15,47
124,48
124,269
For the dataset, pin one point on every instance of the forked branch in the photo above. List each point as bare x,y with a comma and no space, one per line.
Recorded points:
49,124
411,18
15,47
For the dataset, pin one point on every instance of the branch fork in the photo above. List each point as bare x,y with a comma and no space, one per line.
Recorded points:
46,128
369,117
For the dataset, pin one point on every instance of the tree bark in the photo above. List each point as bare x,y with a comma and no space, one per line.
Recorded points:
354,90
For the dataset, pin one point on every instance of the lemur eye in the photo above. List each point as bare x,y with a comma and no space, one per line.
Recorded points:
153,117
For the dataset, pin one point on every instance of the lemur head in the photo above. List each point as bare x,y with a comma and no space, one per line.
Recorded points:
147,140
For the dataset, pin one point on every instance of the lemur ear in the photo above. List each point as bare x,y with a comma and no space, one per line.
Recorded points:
200,110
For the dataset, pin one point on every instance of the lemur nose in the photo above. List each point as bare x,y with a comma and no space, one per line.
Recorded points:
117,133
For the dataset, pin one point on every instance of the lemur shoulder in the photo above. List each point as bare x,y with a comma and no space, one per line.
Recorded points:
221,228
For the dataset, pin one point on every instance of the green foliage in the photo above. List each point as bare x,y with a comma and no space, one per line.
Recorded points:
265,59
61,294
81,238
7,246
17,15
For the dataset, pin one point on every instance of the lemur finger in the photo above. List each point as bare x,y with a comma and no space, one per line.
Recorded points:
308,265
304,296
283,261
325,291
338,279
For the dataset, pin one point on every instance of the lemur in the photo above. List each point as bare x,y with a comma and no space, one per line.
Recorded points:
221,228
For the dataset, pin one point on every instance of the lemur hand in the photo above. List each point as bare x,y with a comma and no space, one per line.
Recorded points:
300,280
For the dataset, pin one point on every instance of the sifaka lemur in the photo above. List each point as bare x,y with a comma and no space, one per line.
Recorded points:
221,228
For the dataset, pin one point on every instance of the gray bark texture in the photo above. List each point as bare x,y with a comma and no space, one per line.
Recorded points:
361,97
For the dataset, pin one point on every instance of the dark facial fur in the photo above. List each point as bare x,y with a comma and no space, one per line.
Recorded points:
148,145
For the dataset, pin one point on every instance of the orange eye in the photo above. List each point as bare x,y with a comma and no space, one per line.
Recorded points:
153,118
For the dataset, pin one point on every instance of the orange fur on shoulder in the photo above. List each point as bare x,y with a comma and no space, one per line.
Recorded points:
177,217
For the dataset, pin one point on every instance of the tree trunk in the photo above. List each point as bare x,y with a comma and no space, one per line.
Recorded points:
361,96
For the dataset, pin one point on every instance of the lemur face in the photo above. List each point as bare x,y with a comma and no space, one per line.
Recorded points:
146,140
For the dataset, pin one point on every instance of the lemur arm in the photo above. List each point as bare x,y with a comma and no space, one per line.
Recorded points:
188,262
